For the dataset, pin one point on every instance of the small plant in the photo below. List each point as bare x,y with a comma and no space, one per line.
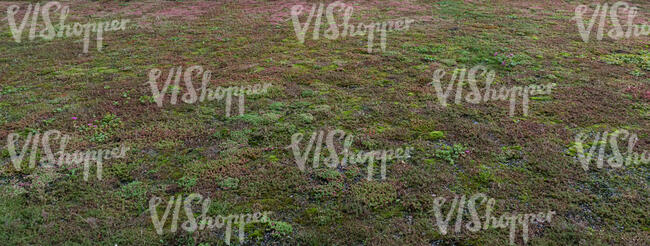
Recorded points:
135,189
327,174
271,117
228,183
308,93
174,89
328,191
512,152
273,158
110,120
120,171
374,195
306,117
573,148
428,49
484,175
280,228
435,135
429,58
637,73
509,60
102,130
277,106
641,60
146,99
48,121
450,153
187,182
10,89
99,137
253,119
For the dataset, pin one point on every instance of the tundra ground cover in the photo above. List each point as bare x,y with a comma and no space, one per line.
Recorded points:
102,100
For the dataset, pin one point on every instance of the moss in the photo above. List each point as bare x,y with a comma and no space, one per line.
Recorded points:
541,98
277,106
642,59
374,194
308,93
436,135
322,108
300,104
382,96
271,117
306,118
253,119
448,62
135,195
240,136
300,68
167,144
327,191
120,170
273,158
327,174
322,217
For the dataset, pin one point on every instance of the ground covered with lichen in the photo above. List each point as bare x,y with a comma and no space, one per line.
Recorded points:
384,98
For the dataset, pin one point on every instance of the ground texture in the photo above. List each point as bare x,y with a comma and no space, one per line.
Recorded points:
383,98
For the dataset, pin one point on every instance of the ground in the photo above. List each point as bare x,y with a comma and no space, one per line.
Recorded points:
384,98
